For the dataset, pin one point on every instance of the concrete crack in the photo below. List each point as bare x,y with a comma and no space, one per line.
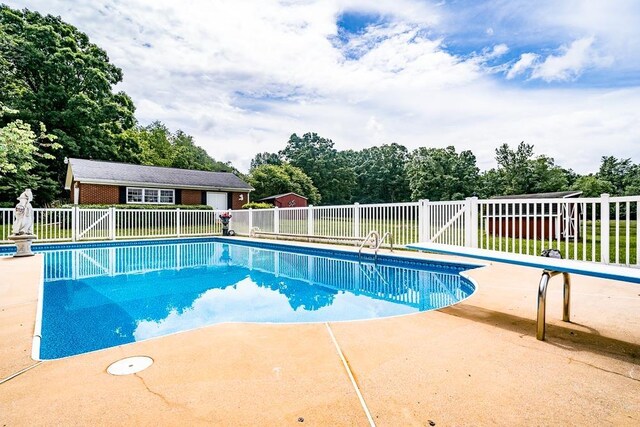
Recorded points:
169,403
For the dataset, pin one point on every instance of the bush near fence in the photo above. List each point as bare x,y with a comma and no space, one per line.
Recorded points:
144,207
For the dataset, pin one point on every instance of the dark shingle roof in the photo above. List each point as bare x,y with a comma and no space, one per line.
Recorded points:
280,195
94,171
554,195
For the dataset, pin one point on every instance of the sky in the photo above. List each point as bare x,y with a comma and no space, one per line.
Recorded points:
241,76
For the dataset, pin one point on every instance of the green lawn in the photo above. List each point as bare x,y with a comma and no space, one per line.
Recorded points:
584,249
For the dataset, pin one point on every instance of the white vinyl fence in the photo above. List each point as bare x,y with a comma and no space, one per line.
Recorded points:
75,224
602,229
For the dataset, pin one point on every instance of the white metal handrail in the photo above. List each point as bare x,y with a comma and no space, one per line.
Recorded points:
372,233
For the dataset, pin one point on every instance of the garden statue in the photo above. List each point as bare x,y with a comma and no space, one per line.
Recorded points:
23,215
22,232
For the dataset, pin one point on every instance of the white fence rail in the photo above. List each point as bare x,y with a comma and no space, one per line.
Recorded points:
602,229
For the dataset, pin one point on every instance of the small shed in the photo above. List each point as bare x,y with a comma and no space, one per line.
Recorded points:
286,200
534,216
110,183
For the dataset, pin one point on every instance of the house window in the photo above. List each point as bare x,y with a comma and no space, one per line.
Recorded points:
150,196
134,195
166,196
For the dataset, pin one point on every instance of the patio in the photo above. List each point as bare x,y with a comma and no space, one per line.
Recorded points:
476,363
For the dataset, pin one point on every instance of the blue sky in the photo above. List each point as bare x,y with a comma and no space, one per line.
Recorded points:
242,76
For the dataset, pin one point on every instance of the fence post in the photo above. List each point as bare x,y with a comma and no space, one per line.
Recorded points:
356,219
471,222
276,220
250,219
178,223
310,224
112,223
74,223
424,222
604,228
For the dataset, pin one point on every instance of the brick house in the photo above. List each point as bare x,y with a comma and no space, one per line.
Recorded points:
100,182
286,200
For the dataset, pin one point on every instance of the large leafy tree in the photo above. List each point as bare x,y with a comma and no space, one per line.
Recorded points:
520,172
160,147
381,174
52,74
329,169
592,186
621,173
20,150
269,180
441,174
265,158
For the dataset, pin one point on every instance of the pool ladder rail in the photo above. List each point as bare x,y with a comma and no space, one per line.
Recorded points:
377,242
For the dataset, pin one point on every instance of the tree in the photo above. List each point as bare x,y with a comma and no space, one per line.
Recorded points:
20,150
381,174
269,180
52,74
546,176
514,168
592,186
329,170
519,172
619,172
265,159
159,147
441,174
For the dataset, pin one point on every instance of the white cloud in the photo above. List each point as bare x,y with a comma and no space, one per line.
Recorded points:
242,76
526,61
572,60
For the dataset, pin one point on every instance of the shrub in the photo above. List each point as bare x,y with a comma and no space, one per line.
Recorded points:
257,205
141,207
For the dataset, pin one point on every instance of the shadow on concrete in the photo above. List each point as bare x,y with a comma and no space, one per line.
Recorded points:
573,337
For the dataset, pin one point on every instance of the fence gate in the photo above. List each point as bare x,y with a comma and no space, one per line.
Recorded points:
446,223
93,224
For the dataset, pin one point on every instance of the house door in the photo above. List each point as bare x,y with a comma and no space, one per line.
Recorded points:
217,200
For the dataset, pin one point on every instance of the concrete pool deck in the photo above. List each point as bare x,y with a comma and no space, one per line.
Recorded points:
476,363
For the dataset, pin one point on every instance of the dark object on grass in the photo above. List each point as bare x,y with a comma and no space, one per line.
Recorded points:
551,253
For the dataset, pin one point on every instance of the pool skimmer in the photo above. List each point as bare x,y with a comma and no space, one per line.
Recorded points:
130,365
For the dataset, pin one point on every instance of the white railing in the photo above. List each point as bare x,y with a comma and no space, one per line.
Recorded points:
599,229
602,229
76,224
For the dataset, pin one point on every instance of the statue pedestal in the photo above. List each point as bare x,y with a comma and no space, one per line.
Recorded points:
23,243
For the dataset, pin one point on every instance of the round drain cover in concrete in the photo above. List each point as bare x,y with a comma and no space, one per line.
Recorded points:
130,365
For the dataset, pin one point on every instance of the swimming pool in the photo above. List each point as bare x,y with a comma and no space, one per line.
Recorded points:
103,295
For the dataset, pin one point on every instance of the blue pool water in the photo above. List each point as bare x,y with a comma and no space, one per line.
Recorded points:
103,296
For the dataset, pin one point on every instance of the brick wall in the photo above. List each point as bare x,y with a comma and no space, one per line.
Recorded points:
238,200
98,194
191,197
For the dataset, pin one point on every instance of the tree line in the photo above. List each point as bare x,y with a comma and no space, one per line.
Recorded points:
392,173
